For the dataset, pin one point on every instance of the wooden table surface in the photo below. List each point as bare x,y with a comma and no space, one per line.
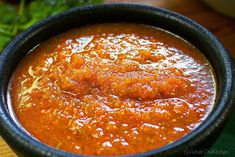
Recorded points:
223,27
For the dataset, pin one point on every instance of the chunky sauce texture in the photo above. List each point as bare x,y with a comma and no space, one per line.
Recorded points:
112,89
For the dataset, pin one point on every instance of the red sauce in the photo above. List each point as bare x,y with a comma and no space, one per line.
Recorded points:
112,89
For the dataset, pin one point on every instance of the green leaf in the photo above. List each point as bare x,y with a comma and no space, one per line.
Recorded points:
13,21
3,41
8,13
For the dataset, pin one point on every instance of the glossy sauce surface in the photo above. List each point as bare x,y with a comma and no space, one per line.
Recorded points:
112,89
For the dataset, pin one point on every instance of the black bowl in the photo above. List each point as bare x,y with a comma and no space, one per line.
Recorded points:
200,138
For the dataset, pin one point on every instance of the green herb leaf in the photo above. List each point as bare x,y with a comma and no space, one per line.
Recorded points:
8,14
3,41
14,20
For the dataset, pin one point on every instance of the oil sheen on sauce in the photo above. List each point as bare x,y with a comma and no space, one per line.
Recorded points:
112,89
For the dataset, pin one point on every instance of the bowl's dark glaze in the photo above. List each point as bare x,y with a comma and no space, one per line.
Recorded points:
201,138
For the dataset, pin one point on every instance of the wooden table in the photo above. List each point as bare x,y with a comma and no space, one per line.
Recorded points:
223,27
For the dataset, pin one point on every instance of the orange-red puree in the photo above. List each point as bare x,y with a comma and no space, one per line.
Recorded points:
112,89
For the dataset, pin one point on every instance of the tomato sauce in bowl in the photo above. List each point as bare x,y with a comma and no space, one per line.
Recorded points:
112,89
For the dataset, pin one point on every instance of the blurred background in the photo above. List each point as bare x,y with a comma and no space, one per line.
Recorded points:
218,16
